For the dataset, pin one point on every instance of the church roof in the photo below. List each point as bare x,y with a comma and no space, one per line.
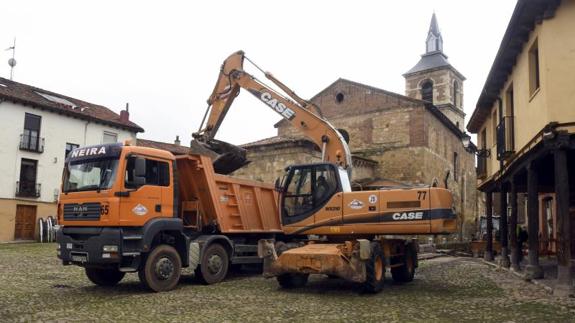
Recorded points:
429,61
276,140
428,106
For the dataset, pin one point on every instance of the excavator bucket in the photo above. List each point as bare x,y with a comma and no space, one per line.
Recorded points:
226,158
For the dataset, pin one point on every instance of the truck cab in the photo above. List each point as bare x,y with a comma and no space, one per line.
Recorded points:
114,200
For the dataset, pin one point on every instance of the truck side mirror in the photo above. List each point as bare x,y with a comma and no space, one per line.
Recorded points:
139,171
140,167
139,181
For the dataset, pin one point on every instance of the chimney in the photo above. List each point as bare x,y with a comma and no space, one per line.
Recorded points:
177,141
125,114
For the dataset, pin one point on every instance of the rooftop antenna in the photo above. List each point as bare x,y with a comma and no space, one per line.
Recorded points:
12,61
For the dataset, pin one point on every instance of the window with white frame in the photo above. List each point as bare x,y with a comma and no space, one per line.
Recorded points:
109,137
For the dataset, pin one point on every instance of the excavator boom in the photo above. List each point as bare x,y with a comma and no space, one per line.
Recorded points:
294,109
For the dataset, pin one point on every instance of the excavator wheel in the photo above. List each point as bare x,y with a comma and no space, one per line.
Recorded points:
374,270
405,273
162,269
292,280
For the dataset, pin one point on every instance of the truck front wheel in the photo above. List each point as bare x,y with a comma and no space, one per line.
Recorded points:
162,269
214,264
104,277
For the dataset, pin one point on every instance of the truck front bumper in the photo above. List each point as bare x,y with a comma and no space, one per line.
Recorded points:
89,246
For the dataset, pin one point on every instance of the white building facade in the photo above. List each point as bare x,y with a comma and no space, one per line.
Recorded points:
37,129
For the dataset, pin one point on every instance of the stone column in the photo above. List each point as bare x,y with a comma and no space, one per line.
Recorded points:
504,260
533,269
564,285
489,220
513,227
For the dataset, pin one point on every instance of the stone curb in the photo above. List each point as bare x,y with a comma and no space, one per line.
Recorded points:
426,256
17,242
519,275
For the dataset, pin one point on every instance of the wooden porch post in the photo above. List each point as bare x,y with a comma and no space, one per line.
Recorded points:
564,284
533,270
504,260
513,227
489,221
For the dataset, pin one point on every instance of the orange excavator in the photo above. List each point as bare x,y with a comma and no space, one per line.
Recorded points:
327,227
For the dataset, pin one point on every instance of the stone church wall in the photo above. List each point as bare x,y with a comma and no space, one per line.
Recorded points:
269,163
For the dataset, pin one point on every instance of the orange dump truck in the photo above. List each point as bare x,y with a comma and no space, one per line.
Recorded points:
135,209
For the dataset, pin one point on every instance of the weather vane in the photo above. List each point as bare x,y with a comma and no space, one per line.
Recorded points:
12,61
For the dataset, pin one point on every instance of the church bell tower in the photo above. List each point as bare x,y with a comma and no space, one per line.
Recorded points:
433,79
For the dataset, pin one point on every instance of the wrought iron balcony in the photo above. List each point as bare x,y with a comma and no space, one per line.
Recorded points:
505,138
28,189
31,143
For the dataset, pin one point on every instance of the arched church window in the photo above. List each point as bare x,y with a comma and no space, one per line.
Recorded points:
427,91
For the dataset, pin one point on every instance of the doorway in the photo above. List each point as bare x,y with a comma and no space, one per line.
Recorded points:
25,222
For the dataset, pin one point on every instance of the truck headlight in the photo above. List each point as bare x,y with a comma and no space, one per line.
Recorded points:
110,248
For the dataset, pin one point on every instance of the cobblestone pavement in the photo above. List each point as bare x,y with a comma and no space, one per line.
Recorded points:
35,287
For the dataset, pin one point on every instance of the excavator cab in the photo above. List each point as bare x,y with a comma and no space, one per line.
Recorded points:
308,188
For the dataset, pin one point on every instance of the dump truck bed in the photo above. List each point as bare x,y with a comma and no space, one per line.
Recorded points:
234,205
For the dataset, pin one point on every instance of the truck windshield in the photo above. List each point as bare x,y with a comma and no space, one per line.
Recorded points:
89,175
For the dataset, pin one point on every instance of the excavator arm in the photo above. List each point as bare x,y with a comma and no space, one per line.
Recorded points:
294,109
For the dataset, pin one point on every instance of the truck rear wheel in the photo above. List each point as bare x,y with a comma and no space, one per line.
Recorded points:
214,265
292,280
104,277
374,270
405,272
162,269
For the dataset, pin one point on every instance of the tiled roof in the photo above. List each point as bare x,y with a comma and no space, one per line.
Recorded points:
30,95
369,87
275,141
173,148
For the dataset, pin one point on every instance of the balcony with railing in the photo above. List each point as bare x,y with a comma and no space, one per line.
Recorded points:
31,143
505,138
28,189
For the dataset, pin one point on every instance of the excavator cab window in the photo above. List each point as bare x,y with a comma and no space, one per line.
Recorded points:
307,189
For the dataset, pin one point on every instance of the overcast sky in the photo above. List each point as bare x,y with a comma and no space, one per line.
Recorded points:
163,57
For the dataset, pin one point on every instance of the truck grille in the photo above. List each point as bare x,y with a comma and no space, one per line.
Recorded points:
79,212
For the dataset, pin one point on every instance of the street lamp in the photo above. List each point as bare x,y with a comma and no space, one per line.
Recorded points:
471,148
